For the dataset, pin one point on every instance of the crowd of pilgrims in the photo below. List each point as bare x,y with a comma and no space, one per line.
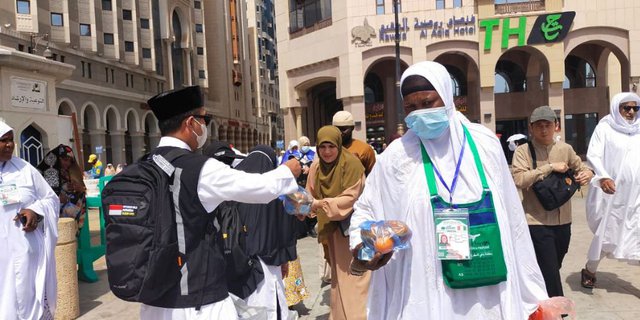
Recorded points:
350,185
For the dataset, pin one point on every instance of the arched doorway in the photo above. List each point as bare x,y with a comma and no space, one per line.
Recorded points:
31,145
465,77
322,105
594,71
89,124
381,101
151,132
521,85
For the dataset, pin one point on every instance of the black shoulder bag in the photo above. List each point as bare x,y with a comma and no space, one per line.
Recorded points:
555,189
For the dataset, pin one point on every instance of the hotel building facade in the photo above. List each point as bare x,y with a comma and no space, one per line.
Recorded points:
505,59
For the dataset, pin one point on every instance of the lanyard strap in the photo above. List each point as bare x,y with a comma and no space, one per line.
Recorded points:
429,168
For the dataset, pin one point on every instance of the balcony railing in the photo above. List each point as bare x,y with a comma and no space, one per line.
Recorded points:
504,8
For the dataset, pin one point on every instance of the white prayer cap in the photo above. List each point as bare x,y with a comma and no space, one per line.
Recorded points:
293,143
342,119
4,128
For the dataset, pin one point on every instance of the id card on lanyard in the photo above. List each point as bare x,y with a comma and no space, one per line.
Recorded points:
452,233
9,194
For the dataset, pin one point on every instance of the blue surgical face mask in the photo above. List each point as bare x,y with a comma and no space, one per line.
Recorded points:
304,149
428,123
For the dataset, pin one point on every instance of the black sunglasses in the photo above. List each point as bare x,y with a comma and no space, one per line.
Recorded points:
207,118
628,108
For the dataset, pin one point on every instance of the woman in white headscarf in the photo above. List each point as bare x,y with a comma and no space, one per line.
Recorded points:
410,284
28,235
292,152
613,202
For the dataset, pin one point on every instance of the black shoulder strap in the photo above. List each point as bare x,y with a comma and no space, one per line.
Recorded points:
175,153
533,154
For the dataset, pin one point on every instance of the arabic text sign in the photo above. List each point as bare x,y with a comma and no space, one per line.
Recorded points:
551,27
28,93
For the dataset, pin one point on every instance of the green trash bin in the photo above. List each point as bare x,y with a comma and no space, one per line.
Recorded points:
88,253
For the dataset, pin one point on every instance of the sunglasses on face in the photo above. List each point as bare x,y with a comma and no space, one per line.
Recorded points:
629,108
207,118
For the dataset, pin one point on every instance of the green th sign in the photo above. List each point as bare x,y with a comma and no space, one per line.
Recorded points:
547,29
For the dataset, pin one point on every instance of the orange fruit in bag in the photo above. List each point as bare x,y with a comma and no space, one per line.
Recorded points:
383,244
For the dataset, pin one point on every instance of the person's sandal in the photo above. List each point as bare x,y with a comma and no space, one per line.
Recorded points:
588,279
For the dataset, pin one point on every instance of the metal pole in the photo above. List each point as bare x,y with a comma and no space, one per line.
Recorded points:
397,39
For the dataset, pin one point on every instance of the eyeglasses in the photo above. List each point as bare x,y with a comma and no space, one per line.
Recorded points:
628,108
207,118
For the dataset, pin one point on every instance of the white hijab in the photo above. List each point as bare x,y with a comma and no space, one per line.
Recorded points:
615,119
444,151
292,143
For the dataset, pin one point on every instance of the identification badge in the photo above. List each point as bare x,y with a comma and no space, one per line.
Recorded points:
452,234
9,194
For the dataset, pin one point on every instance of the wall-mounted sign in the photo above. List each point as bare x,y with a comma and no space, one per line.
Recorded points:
461,26
28,93
551,27
388,33
548,28
361,35
439,29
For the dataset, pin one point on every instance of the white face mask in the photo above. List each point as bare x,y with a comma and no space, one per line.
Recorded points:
201,138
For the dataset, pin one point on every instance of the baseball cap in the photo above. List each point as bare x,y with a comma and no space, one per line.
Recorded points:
92,158
542,113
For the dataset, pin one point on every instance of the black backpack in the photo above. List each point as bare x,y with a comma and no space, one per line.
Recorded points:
143,261
244,272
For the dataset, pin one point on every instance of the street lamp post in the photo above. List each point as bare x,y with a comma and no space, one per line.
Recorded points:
397,39
35,39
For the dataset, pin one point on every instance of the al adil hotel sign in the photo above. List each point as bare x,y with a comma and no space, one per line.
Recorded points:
548,28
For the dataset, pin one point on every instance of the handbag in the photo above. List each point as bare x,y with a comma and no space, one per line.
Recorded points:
555,189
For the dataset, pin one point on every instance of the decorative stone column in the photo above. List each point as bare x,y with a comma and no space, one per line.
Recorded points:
117,147
68,302
137,145
186,55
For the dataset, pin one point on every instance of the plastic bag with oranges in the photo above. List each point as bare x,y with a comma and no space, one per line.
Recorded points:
554,308
383,236
298,202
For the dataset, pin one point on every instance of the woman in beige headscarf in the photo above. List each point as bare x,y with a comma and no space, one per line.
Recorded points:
336,180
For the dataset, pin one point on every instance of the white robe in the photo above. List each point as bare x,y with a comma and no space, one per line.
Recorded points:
614,219
217,183
27,259
270,292
411,285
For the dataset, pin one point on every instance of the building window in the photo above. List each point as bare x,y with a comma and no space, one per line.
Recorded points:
113,76
146,53
197,4
84,72
200,51
439,4
127,14
457,3
23,6
126,78
201,74
198,27
62,58
89,70
106,74
128,46
85,29
306,13
106,5
56,19
108,38
144,23
379,6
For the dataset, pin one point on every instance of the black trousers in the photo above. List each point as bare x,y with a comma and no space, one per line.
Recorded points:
551,244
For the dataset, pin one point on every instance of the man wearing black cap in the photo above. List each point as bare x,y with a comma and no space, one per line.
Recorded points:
221,151
183,124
